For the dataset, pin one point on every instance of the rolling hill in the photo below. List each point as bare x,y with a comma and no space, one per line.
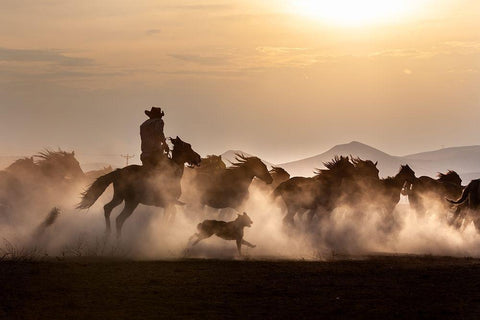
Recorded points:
464,160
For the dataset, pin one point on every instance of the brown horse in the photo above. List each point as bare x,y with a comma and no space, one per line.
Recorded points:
301,194
388,195
445,186
51,166
228,188
278,174
356,189
135,184
46,178
468,205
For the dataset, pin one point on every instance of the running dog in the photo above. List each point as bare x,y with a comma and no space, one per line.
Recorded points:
232,230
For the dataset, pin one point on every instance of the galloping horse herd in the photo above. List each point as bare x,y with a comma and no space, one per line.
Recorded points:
185,179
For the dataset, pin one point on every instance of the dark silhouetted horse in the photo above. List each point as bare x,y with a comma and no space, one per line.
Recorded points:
388,195
320,192
51,167
468,205
228,188
278,174
425,189
46,180
135,184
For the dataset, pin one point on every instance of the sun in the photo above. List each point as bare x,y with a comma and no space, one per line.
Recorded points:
356,12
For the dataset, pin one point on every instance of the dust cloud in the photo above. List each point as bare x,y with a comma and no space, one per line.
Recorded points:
149,234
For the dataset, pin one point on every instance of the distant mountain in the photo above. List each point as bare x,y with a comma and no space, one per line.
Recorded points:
464,160
229,156
387,164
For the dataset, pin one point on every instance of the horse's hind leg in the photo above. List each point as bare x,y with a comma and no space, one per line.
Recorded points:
117,200
126,212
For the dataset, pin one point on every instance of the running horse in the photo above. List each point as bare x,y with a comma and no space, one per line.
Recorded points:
228,188
134,184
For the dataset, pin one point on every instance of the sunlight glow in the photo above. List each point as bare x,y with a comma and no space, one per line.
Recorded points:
356,12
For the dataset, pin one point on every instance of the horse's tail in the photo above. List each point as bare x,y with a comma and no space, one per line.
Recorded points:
96,189
464,196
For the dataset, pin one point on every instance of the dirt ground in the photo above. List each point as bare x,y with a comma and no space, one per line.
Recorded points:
385,287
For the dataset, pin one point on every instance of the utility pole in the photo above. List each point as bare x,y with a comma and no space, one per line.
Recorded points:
127,157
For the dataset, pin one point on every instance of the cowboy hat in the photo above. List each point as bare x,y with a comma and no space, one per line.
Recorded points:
154,112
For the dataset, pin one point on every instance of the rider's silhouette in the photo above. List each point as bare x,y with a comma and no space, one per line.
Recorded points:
154,146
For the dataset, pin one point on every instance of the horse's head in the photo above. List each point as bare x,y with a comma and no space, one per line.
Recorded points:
71,165
244,220
450,177
60,164
183,153
406,174
365,168
279,174
257,167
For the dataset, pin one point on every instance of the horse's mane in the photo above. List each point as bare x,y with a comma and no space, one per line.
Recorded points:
357,161
337,163
240,160
48,155
278,170
449,177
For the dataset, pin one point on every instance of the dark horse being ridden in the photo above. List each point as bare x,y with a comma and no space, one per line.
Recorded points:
135,184
229,187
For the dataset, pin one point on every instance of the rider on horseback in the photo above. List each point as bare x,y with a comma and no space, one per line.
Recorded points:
154,146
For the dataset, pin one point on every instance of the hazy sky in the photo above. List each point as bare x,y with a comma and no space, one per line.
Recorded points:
274,79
